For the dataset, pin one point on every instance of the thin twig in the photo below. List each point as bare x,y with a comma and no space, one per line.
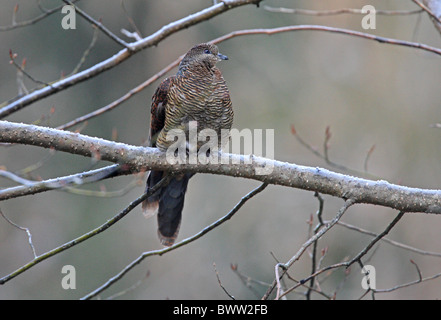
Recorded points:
271,31
120,100
319,214
24,229
20,68
247,280
404,285
325,156
132,23
33,187
392,242
220,283
420,276
332,12
430,13
357,258
377,238
86,52
366,159
131,288
16,178
99,25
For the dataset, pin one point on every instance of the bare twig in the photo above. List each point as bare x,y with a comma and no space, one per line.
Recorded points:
86,52
248,281
429,12
14,177
120,100
220,283
319,214
434,7
20,68
99,25
325,155
404,285
137,34
366,159
24,229
33,187
358,257
338,11
131,288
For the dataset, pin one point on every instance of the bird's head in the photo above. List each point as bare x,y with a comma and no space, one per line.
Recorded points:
204,53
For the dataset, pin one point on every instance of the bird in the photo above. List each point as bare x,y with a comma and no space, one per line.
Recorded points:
198,93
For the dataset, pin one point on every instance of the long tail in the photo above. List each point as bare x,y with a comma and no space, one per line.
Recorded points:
168,203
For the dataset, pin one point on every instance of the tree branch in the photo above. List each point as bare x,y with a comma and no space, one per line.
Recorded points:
332,12
139,159
98,24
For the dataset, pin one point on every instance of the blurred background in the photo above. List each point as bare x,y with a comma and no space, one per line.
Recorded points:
369,94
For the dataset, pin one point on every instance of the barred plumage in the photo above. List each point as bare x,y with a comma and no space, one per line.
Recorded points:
198,93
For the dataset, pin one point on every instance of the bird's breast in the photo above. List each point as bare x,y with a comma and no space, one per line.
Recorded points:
203,99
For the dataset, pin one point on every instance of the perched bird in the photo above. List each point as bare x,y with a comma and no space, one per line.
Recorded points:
197,92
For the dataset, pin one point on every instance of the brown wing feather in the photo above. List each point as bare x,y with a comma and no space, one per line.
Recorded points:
159,100
157,120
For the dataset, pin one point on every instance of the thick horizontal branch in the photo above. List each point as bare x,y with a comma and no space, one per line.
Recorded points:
124,54
139,159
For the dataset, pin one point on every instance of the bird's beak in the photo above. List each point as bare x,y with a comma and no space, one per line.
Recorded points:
222,57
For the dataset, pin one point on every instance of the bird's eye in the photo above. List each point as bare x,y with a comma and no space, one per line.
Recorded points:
207,51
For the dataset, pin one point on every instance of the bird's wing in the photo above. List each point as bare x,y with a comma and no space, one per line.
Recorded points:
159,100
157,120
